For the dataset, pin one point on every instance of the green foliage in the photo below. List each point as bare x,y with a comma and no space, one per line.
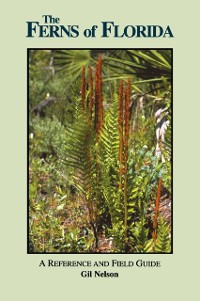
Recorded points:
163,243
79,149
139,238
47,136
110,135
44,80
109,149
50,211
74,192
117,232
71,61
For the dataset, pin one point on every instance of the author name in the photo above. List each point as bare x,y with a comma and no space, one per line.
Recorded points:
98,274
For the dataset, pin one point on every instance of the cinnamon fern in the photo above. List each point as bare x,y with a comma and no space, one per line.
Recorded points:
109,145
163,242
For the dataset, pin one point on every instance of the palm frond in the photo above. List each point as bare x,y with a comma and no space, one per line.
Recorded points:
71,61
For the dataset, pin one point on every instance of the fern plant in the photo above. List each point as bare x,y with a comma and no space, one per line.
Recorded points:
109,148
79,152
114,157
163,242
115,181
107,143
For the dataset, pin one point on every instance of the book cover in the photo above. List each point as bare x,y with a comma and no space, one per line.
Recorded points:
99,150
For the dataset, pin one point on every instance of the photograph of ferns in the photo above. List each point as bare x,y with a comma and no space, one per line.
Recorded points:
100,156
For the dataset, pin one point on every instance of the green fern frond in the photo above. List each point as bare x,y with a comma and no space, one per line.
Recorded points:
109,163
79,152
140,235
149,246
110,135
163,243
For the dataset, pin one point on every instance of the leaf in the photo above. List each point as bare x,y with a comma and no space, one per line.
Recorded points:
148,246
60,207
131,210
64,197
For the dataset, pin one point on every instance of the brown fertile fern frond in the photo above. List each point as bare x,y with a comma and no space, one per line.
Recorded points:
98,97
91,94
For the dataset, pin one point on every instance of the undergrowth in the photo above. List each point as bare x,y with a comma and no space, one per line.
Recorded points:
94,180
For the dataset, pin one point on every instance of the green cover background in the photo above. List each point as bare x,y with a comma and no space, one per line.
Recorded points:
22,277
